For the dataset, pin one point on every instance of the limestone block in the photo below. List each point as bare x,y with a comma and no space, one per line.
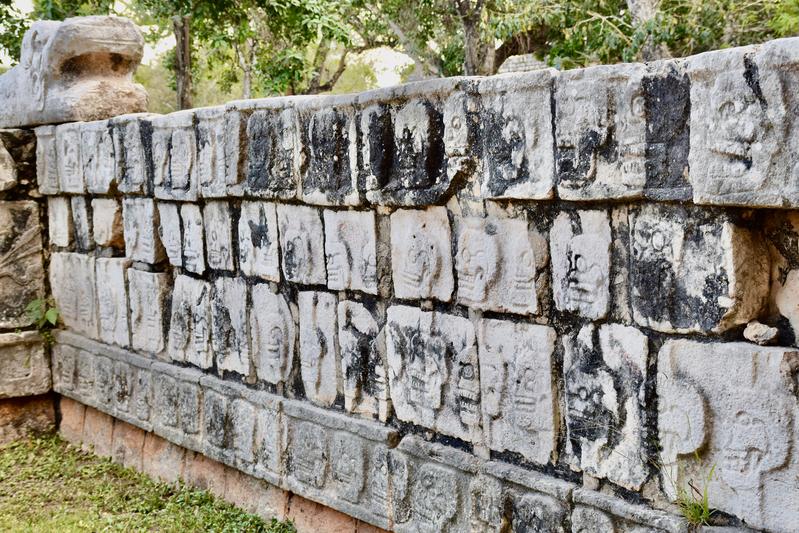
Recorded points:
193,241
47,160
178,413
421,257
258,241
694,271
98,156
25,367
363,361
148,293
190,323
8,170
59,221
174,152
782,232
274,153
434,375
140,221
600,121
107,225
500,265
743,142
235,148
170,232
302,244
68,161
132,141
272,335
218,235
21,268
211,151
604,370
112,300
103,382
580,245
124,376
17,158
229,336
516,382
517,143
319,360
351,250
268,436
595,511
65,368
732,406
82,223
143,397
72,280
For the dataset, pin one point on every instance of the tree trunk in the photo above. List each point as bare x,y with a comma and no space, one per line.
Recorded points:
478,57
642,11
246,60
182,28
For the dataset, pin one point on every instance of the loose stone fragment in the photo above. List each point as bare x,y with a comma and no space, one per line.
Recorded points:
760,333
211,151
421,258
319,359
694,272
595,511
141,230
218,235
174,152
47,160
170,231
190,325
70,167
72,280
743,422
112,300
258,241
25,370
229,336
302,244
274,153
580,243
59,221
193,242
351,250
98,156
132,141
604,372
148,296
107,224
82,224
272,335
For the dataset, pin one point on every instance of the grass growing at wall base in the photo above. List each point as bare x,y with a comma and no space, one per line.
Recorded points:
49,485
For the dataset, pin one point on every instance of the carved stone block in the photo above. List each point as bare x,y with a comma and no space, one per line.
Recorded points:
190,323
104,378
143,395
229,337
308,461
421,257
274,153
193,238
124,378
148,293
732,406
242,417
211,151
218,235
107,224
112,301
580,245
72,280
272,335
82,224
174,149
302,244
25,369
604,370
269,436
351,250
595,511
320,365
85,375
132,141
98,156
516,382
70,166
170,232
694,272
434,375
21,263
258,241
141,230
47,160
59,221
65,368
235,149
217,423
17,158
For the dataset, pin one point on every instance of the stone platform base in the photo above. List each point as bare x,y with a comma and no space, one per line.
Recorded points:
146,452
22,417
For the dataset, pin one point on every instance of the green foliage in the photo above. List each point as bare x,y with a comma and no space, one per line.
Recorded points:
12,28
63,9
693,501
44,315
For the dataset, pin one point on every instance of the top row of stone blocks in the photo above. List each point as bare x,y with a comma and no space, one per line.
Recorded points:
717,127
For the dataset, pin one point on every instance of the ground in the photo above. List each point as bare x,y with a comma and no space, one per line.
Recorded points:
49,485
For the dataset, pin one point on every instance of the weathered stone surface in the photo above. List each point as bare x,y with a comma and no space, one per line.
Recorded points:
82,224
218,235
580,246
21,267
272,335
760,333
72,280
178,413
68,161
517,141
229,337
516,382
190,323
351,250
170,231
258,241
693,271
421,258
107,224
302,244
193,238
132,144
321,368
604,370
98,156
101,54
140,220
434,375
363,361
235,150
148,296
174,152
274,153
211,139
112,301
741,421
46,160
17,158
782,233
59,221
25,366
596,512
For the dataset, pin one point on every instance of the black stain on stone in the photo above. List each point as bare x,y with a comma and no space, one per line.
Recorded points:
380,140
269,163
327,142
752,77
504,146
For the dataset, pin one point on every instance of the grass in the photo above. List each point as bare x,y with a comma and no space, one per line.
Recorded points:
693,501
49,485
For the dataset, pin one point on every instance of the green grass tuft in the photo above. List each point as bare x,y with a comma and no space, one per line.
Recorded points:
693,502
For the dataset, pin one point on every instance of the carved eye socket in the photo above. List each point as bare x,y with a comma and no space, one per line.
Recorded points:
580,263
456,123
467,372
583,393
638,106
727,109
658,240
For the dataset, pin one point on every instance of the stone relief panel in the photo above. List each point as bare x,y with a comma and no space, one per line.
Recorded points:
580,244
59,221
330,176
211,151
69,164
170,231
461,130
178,412
421,257
595,511
190,323
140,221
193,238
742,421
21,262
782,234
174,156
604,370
269,437
351,250
433,371
229,336
235,148
302,244
148,293
112,300
309,457
363,363
258,241
319,360
98,156
132,140
218,235
107,225
274,153
273,335
81,224
46,160
72,281
347,468
516,383
26,368
693,271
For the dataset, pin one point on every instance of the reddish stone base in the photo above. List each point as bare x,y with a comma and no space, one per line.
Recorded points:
159,458
21,417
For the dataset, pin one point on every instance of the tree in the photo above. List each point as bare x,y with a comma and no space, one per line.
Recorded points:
12,28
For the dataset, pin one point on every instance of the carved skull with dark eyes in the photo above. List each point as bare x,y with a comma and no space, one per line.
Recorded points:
591,410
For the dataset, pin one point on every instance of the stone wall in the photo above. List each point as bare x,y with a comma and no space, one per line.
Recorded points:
526,301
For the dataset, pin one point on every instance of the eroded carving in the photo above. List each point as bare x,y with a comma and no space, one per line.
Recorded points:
190,323
351,250
302,244
272,334
319,346
258,240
